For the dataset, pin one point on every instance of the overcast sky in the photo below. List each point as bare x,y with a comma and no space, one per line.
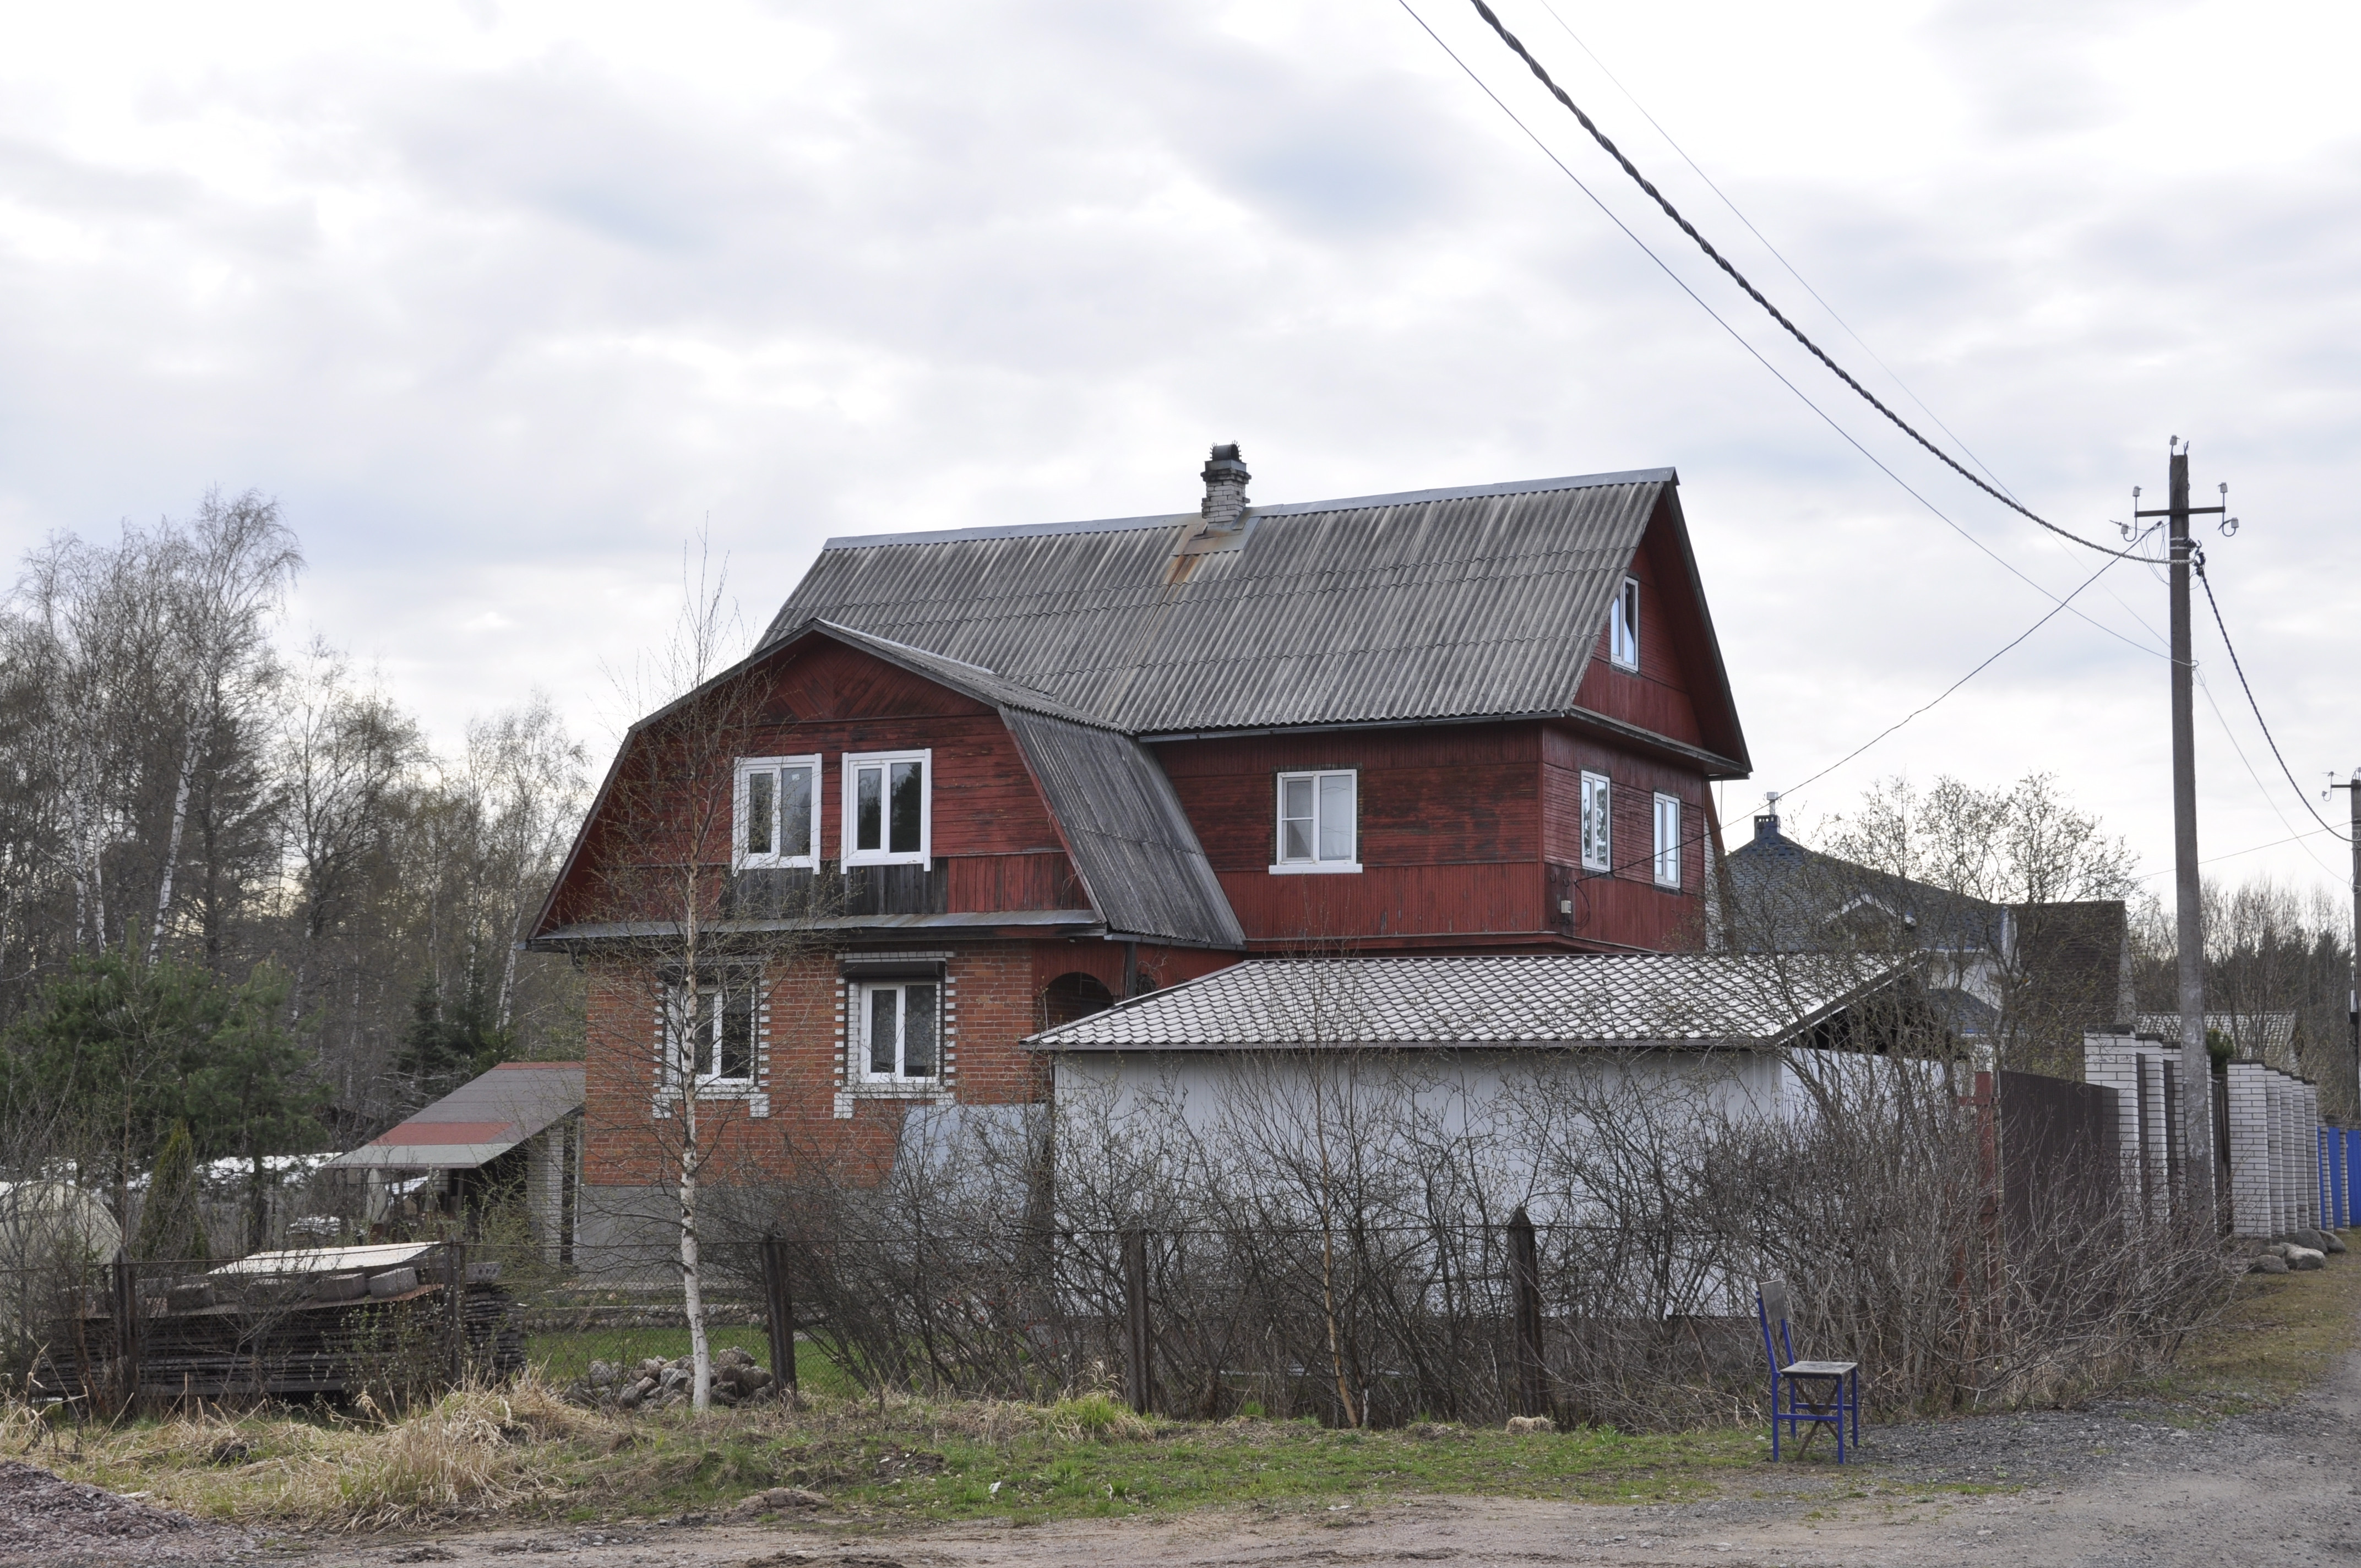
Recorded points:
506,301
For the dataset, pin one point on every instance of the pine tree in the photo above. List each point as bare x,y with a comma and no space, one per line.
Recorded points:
169,1224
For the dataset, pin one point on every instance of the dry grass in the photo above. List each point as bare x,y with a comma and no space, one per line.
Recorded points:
2279,1335
472,1451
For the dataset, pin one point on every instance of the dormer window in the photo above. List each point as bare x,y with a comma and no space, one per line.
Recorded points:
889,808
775,823
1623,627
1319,829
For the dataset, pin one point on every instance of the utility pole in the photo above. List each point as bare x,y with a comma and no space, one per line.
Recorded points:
2196,1064
2352,996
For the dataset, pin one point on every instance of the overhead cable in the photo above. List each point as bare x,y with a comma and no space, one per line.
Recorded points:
1736,336
1757,295
2231,649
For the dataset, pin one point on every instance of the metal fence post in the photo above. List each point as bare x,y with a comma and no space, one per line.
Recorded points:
1525,1274
780,1312
126,1329
454,1296
1138,1371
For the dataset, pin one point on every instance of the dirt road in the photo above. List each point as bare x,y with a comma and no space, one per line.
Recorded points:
2112,1486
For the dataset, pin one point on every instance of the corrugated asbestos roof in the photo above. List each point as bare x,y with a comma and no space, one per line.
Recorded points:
483,1118
1130,841
1383,609
1687,999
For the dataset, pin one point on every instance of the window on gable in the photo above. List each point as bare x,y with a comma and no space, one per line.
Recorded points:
1668,841
775,820
889,808
900,1031
1598,849
711,1030
1318,822
1623,639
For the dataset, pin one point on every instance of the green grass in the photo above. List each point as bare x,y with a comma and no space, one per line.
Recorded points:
563,1357
916,1467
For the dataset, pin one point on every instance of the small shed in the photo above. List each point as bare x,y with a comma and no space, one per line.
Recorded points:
517,1128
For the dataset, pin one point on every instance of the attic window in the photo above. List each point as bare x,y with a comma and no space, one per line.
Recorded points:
773,822
1623,627
889,808
1318,823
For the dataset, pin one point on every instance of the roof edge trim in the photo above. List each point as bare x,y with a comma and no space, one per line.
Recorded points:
1288,508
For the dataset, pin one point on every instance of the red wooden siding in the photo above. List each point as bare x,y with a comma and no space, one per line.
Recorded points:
1656,697
1626,906
990,823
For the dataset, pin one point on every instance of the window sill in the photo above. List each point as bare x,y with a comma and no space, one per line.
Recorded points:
1318,868
756,1099
774,863
854,862
936,1093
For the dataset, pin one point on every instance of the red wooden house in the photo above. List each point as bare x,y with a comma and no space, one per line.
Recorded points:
975,782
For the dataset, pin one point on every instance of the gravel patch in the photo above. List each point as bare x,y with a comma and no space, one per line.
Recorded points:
45,1517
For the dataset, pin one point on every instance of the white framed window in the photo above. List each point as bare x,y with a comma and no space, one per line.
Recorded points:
776,817
889,808
1319,822
1597,838
1668,841
710,1027
1623,626
897,1027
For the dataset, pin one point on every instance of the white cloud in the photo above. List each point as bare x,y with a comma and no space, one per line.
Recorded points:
505,300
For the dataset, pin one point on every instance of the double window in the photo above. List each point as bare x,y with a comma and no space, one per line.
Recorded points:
1668,841
1623,627
710,1027
887,813
1597,834
899,1024
1318,822
777,813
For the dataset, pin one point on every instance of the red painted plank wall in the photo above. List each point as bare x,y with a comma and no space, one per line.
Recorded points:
1450,830
1656,696
833,700
1633,910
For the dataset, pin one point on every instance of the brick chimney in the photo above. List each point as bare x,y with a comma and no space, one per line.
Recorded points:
1225,489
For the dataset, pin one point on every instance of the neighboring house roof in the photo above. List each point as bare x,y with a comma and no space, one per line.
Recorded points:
1793,899
478,1122
1430,606
2255,1037
1676,999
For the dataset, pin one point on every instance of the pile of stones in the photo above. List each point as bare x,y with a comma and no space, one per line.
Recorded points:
658,1385
2300,1250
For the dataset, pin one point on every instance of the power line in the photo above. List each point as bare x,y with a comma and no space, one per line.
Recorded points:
1963,680
2231,649
1778,254
1801,396
1757,295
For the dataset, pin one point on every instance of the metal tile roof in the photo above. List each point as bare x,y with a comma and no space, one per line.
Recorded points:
1438,604
1574,999
1131,842
480,1120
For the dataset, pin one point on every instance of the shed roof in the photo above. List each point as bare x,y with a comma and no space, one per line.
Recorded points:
478,1122
1481,602
1570,999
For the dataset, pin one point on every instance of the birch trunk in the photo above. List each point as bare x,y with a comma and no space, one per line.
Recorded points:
173,843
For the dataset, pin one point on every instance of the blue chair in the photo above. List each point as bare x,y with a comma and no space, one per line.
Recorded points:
1813,1394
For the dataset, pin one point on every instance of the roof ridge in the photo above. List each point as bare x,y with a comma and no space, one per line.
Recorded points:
1284,509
